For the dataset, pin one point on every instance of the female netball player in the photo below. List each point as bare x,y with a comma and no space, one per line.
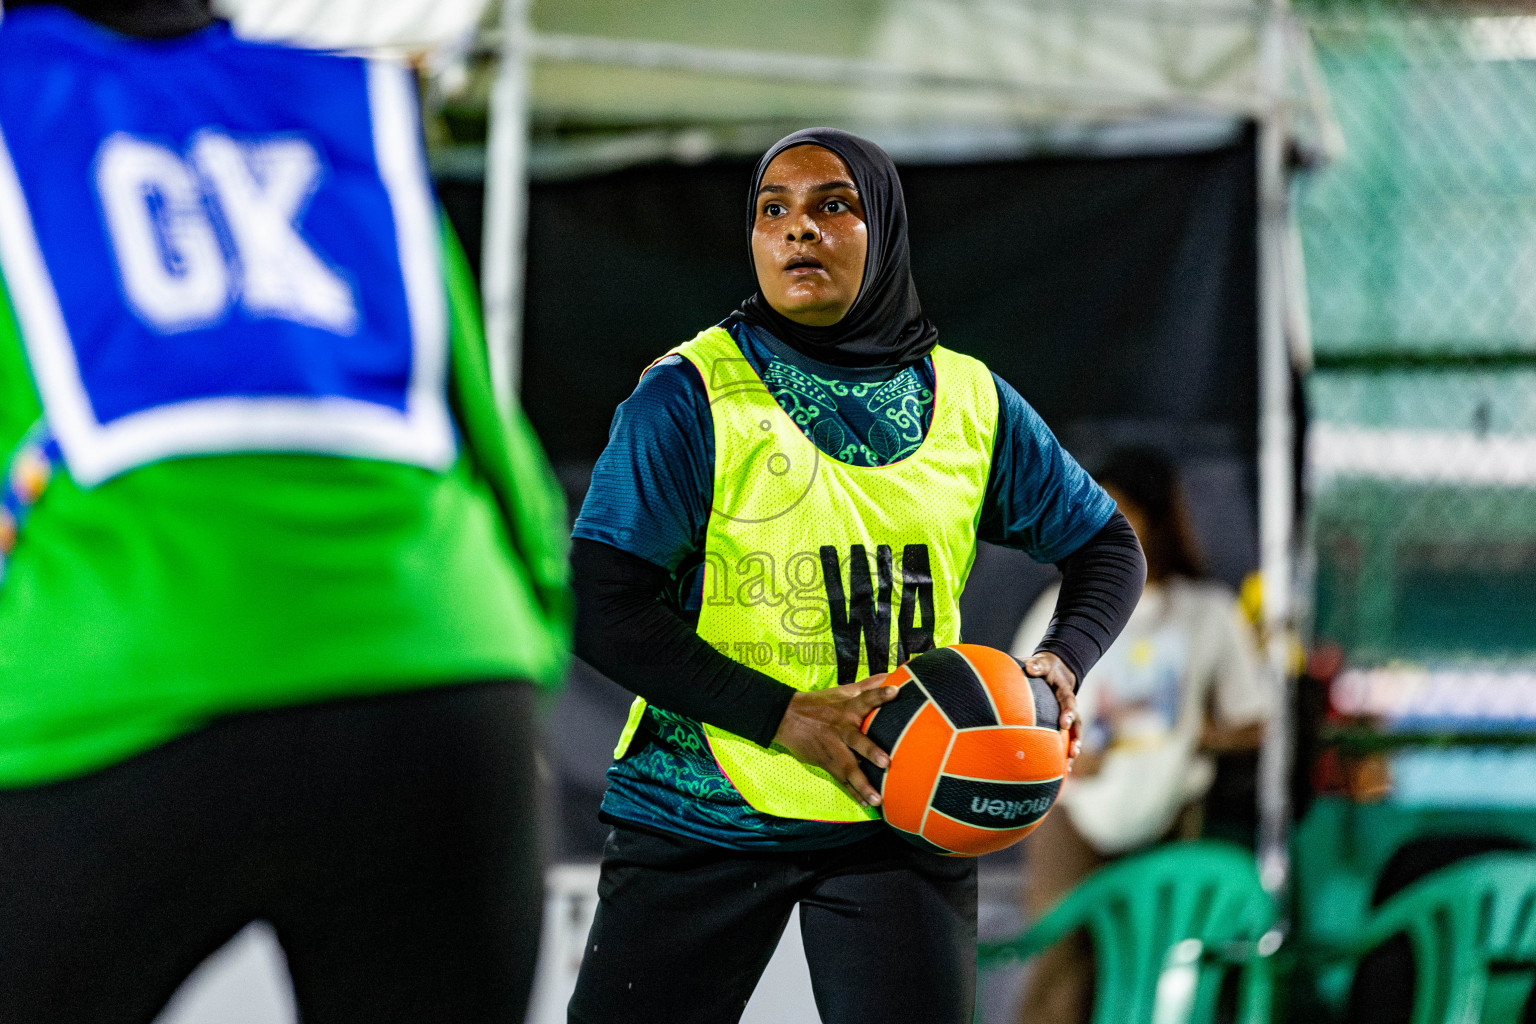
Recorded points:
278,582
787,508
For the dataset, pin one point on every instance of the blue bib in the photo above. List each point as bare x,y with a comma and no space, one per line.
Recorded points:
216,246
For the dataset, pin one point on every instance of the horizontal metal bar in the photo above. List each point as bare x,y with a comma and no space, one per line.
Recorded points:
560,157
1364,739
855,73
1154,13
1380,361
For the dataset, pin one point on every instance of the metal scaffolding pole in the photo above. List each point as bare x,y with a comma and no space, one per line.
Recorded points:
504,244
1277,500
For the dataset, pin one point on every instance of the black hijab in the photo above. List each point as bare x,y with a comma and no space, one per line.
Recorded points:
886,325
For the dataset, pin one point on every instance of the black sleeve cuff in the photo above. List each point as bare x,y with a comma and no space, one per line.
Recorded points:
1070,654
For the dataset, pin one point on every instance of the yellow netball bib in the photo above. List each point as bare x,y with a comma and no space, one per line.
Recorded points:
819,573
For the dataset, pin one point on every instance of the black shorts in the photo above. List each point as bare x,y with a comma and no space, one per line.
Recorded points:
684,930
390,841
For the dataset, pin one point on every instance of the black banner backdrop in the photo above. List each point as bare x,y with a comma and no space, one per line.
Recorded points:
1118,295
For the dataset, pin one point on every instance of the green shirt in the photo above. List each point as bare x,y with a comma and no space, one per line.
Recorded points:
138,610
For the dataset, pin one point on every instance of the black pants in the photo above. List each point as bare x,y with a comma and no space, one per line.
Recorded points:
685,929
390,841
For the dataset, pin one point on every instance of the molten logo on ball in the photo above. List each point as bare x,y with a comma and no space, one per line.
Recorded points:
1011,808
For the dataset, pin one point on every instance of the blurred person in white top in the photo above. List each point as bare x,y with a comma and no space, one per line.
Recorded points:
1180,685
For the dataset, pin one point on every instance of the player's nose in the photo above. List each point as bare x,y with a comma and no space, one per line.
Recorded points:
802,228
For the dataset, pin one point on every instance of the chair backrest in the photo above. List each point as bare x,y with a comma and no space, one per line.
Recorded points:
1141,910
1473,930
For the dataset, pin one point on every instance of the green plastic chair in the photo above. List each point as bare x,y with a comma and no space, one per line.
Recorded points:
1472,927
1166,926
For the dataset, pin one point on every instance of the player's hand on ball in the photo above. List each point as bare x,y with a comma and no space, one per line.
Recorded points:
1054,671
821,728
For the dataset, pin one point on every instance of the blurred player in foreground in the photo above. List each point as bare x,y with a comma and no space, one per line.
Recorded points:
787,508
279,582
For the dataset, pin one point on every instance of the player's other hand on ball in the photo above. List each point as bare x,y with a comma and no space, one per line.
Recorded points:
821,728
1054,671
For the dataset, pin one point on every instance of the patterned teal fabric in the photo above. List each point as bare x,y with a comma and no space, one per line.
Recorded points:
860,417
897,411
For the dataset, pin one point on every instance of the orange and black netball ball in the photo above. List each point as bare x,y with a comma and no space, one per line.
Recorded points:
976,755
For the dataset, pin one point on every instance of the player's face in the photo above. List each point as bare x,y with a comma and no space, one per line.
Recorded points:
808,236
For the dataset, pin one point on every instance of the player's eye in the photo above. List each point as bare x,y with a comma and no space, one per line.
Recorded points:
772,209
837,206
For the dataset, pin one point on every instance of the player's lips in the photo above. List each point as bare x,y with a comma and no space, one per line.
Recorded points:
803,265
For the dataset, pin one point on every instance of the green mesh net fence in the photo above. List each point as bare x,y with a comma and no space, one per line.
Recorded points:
1420,245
